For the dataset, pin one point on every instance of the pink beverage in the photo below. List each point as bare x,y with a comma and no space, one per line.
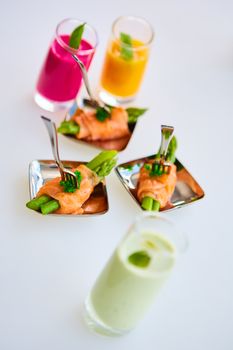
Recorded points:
60,78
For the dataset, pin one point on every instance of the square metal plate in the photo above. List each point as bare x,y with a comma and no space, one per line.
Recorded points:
187,190
118,144
40,171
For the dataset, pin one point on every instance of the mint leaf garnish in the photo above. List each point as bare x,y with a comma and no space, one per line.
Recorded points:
126,46
140,259
135,113
76,36
102,114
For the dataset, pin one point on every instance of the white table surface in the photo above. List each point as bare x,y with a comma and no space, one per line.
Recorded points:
48,264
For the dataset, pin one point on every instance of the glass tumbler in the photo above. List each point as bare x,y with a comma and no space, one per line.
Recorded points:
134,275
126,58
60,77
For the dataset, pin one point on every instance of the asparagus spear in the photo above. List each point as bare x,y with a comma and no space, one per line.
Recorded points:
172,150
103,164
149,203
69,127
135,113
49,207
44,203
36,203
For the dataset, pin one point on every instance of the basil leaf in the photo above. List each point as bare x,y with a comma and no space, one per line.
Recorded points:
126,47
135,113
140,259
76,36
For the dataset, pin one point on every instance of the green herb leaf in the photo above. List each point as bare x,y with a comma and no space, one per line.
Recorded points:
68,186
157,170
76,36
140,259
79,178
128,167
102,114
135,113
147,166
126,46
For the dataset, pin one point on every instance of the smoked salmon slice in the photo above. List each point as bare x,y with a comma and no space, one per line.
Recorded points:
159,188
71,203
91,129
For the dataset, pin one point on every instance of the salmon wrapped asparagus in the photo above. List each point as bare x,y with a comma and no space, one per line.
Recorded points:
61,197
159,188
101,124
156,185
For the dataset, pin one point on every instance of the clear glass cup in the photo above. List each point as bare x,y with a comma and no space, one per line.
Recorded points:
60,77
125,64
133,276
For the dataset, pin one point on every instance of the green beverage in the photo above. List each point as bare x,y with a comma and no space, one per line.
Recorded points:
132,278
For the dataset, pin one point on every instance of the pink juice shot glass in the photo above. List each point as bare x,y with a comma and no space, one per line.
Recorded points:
60,78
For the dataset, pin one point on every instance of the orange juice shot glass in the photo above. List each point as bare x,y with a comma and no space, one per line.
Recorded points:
126,59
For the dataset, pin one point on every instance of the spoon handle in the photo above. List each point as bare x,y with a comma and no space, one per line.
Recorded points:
166,136
51,128
85,76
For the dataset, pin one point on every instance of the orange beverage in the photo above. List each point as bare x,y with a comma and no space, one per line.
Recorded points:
123,77
126,58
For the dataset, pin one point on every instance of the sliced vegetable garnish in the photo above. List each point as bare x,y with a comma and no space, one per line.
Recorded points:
76,36
126,46
135,113
140,259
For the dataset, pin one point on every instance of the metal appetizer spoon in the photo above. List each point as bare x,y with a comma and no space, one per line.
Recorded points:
66,175
166,136
93,102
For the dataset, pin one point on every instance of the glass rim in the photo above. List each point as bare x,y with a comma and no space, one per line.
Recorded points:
158,216
70,49
140,19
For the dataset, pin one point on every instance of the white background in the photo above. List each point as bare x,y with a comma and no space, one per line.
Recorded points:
48,264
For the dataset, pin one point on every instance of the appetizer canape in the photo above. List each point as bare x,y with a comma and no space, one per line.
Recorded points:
157,182
62,197
107,127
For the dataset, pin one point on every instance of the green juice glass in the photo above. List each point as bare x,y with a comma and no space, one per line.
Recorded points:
134,275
